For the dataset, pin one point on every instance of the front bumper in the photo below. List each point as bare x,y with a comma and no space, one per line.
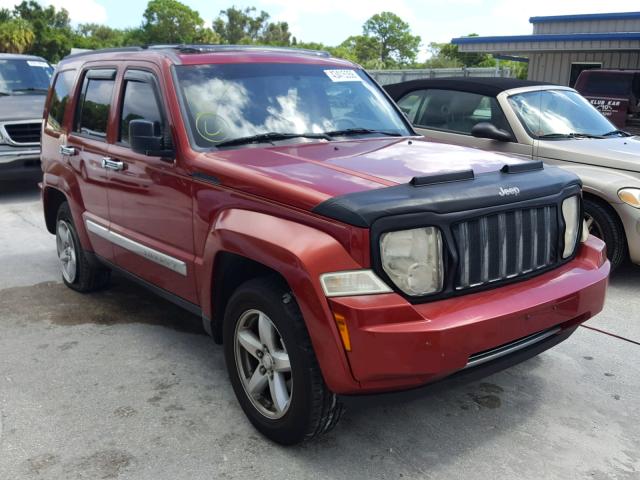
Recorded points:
19,162
396,345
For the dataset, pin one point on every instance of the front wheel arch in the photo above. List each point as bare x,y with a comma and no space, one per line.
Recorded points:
611,225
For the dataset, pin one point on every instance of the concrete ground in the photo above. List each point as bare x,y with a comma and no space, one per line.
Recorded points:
121,384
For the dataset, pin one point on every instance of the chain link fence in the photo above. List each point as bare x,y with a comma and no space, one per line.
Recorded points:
386,77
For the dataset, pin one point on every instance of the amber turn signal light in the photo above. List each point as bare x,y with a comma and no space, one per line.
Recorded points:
344,331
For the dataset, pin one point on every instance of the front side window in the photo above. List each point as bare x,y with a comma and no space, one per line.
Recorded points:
95,103
18,76
559,114
224,102
410,104
61,92
458,111
139,103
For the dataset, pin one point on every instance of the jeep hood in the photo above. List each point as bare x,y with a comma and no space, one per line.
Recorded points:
21,107
309,173
622,153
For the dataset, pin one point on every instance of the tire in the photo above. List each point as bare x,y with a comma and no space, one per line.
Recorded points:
604,224
78,273
311,408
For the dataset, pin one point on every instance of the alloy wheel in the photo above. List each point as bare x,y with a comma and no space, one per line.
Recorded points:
66,251
263,364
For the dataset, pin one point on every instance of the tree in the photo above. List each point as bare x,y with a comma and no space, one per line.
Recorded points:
236,26
360,49
51,28
93,36
16,35
396,45
169,21
449,51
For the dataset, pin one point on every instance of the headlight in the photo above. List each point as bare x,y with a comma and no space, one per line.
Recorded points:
413,259
352,282
630,196
571,215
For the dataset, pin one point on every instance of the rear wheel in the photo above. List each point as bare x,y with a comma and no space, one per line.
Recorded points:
77,271
603,223
272,366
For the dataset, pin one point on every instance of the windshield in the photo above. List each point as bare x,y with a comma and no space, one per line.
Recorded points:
560,113
19,76
226,102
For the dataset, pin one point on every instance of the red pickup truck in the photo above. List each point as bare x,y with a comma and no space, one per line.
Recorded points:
615,93
284,198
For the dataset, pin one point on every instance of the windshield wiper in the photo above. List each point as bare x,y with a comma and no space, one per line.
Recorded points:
360,131
30,89
617,132
570,135
4,94
270,137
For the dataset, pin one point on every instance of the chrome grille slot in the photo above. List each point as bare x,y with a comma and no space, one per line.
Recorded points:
505,245
24,132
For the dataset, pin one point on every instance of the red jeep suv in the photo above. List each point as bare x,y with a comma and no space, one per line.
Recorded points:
281,195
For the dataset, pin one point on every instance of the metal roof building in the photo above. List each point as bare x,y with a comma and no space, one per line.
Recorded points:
564,45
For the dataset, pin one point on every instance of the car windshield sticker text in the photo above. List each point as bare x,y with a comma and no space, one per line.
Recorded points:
505,192
37,63
343,75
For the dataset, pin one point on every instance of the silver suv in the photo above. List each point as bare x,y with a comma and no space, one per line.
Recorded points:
24,81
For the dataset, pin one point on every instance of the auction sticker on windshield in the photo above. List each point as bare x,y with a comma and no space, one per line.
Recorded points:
37,63
343,75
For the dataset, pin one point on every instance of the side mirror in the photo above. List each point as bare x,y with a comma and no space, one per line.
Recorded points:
144,141
489,130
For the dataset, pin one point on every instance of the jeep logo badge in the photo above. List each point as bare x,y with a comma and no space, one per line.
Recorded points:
505,192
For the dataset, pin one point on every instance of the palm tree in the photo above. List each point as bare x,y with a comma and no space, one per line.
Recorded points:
16,35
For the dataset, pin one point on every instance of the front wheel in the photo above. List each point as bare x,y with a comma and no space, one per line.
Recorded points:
603,223
272,366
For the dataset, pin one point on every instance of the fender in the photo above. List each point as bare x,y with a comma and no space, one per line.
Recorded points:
603,182
300,254
63,179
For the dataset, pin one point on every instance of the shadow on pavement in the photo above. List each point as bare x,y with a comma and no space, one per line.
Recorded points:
19,191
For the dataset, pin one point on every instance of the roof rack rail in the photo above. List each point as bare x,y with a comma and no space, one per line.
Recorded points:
205,48
196,48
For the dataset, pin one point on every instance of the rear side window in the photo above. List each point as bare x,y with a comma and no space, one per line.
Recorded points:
61,92
139,102
95,103
459,112
608,84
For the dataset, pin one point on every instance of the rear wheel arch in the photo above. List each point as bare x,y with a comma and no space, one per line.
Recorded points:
52,200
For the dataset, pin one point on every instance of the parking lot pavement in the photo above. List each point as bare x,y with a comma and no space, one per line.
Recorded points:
121,384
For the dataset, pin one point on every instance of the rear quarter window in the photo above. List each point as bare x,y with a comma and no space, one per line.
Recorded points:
62,86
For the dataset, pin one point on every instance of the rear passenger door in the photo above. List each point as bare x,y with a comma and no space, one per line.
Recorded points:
86,146
150,197
448,116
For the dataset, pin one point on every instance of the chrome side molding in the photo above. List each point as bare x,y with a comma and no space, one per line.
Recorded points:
149,253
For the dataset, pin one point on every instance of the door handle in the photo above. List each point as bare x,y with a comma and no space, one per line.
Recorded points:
67,151
111,164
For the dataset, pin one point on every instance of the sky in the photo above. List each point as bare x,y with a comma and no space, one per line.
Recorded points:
332,21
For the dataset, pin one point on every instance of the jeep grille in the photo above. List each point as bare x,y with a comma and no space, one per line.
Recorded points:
505,245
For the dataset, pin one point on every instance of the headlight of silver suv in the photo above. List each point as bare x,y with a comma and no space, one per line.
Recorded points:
571,216
413,259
